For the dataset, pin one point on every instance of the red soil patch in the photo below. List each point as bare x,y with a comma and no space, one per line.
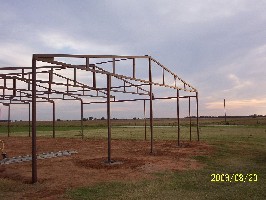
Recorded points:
132,161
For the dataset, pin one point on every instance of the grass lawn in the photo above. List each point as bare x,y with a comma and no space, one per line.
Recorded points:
238,150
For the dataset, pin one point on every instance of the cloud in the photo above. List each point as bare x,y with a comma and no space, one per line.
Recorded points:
218,46
15,54
63,41
237,84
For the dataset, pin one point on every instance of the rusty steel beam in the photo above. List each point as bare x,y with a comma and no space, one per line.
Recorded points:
178,117
81,119
145,122
163,77
197,103
53,119
23,73
29,82
142,99
41,56
114,65
166,69
189,118
100,70
9,115
34,148
94,77
29,122
50,80
13,68
93,88
8,121
87,63
108,116
80,90
134,68
14,87
151,106
4,87
75,76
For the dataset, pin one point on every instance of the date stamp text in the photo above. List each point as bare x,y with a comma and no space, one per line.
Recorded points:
234,177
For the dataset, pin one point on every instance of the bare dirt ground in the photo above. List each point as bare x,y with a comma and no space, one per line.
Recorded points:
133,162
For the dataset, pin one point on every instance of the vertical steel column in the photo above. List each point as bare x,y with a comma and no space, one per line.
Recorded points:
134,68
75,76
53,119
197,99
189,118
81,119
50,80
108,116
67,85
145,122
29,82
163,77
114,65
29,120
14,87
4,86
22,73
94,77
34,151
178,117
87,63
151,109
8,121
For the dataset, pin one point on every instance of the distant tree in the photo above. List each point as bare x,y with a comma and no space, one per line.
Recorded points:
134,118
90,118
102,118
58,120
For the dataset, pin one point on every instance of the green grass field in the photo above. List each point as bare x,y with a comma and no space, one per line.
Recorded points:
238,150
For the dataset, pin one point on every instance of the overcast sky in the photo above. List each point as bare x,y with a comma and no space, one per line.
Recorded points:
218,46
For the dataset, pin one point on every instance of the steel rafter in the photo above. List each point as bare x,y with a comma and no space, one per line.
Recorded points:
88,78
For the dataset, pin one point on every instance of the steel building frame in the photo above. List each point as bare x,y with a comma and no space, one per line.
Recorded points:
61,76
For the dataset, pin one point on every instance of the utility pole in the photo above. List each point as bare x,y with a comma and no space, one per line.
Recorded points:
224,113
